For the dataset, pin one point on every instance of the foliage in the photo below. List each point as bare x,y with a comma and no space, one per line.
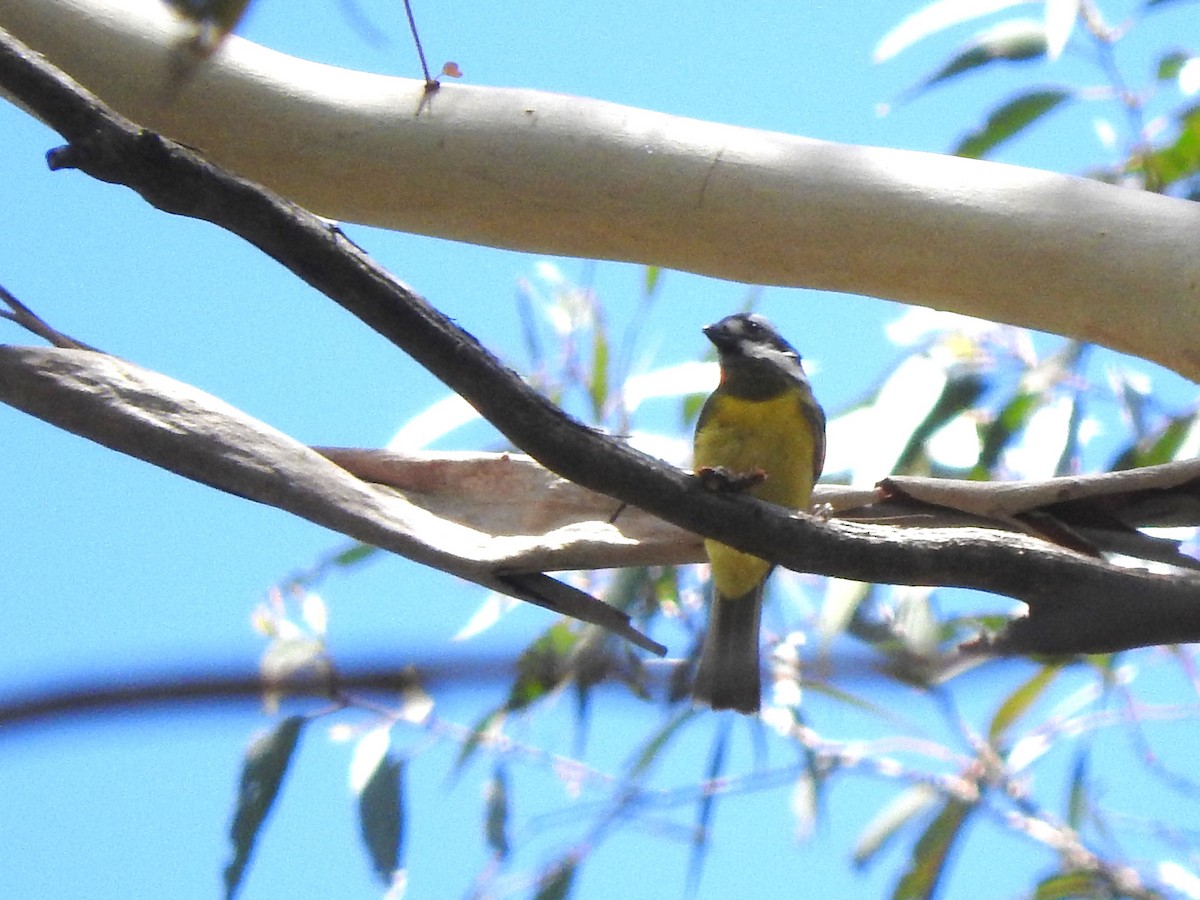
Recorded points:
266,762
1160,150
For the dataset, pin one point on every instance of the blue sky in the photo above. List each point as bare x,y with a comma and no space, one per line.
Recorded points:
111,566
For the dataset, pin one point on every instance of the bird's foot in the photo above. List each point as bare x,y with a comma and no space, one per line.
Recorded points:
723,480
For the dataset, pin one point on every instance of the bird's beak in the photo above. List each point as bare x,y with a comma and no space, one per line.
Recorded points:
720,336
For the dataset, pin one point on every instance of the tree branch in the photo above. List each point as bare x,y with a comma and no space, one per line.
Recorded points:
186,431
572,176
1076,603
203,685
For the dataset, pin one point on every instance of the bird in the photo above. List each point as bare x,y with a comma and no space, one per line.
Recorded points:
762,432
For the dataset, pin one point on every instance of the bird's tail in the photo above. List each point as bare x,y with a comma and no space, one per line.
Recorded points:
728,675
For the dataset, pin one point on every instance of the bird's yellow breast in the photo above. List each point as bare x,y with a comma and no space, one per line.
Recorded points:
773,436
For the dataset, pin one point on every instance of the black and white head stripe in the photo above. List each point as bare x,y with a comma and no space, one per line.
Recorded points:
750,335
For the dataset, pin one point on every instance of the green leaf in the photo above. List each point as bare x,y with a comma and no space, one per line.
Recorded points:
557,883
1009,120
1015,40
1177,160
666,586
1018,702
932,18
354,554
591,674
916,623
651,276
692,404
658,741
598,383
381,816
529,329
1170,65
1069,457
962,389
1034,392
751,298
265,763
932,852
543,666
838,607
889,821
1001,431
1160,448
1072,886
495,827
475,740
1133,399
630,585
870,707
905,400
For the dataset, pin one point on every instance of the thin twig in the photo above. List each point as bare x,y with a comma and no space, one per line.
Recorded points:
431,84
30,321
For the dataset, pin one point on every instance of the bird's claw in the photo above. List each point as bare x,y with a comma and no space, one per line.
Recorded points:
723,480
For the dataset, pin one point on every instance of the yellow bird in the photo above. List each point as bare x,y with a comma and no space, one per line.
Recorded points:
761,428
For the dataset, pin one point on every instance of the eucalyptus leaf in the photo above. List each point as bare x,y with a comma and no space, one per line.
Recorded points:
381,817
263,769
931,853
1010,119
557,884
1018,702
886,824
1015,40
933,18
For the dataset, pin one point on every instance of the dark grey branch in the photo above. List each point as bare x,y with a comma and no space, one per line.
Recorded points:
205,685
1076,603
